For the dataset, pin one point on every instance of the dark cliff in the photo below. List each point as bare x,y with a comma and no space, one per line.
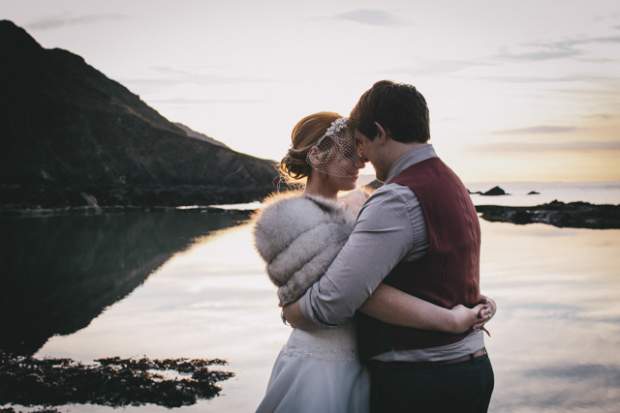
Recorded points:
69,133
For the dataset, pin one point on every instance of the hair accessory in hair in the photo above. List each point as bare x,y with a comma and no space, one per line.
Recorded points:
277,181
335,128
335,152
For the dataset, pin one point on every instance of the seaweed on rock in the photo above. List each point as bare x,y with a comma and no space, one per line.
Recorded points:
110,381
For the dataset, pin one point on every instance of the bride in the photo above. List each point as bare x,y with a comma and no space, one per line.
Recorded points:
298,235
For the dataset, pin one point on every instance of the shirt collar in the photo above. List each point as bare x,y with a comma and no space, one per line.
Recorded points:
416,155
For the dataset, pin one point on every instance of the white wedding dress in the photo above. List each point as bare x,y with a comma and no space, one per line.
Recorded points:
318,372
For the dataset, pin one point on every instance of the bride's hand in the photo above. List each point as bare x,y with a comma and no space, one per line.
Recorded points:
465,318
492,309
490,302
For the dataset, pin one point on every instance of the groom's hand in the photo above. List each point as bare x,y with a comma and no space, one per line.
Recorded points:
293,315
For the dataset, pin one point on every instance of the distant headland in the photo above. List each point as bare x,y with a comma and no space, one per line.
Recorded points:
73,137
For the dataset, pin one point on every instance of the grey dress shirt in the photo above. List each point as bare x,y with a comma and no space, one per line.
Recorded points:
390,228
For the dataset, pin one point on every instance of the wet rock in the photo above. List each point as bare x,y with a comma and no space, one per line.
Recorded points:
90,200
533,193
110,381
495,191
556,213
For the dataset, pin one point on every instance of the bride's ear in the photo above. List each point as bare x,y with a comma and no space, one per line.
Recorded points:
315,157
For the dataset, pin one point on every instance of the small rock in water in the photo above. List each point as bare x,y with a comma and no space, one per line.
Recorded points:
90,200
496,190
533,193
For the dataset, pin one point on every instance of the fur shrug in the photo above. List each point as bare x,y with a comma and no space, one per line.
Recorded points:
299,236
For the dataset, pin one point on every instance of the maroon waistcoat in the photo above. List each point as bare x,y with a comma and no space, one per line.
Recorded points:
447,275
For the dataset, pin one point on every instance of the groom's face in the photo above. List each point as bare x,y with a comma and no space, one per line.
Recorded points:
369,151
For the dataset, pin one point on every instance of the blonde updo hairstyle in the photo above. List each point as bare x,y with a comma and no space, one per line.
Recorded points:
304,136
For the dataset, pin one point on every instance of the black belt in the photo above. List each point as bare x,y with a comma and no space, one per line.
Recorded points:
469,357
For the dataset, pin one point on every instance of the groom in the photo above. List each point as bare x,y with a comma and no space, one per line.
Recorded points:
419,232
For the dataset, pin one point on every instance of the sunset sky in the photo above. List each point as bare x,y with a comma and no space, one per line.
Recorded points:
517,90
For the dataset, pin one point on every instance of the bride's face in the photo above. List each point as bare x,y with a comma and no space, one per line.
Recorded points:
343,171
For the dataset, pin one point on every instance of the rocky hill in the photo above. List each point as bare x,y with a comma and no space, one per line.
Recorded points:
71,136
197,135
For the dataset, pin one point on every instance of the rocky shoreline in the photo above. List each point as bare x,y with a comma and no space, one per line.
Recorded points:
111,381
556,213
115,209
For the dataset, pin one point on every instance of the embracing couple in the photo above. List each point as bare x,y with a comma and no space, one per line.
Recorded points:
382,289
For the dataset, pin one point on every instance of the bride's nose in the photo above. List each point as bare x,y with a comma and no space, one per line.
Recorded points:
360,157
360,161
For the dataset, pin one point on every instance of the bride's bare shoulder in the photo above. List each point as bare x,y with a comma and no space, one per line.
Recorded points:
353,200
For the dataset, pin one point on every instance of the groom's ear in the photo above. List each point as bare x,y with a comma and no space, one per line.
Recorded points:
381,133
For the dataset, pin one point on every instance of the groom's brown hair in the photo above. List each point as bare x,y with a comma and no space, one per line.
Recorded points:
399,108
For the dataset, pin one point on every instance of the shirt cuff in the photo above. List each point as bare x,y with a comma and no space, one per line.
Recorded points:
305,306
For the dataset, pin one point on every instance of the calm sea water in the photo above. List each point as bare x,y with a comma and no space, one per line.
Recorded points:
186,284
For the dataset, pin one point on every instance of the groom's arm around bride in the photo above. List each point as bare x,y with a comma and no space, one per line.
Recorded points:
419,233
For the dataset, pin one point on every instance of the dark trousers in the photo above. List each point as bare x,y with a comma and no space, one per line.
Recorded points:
431,388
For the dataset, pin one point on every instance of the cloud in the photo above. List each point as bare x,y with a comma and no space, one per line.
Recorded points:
607,92
544,52
546,147
49,23
535,130
601,116
556,49
438,67
206,78
172,77
554,79
597,60
372,17
198,101
594,40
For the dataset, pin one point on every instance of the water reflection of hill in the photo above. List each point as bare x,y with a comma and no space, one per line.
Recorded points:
59,273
